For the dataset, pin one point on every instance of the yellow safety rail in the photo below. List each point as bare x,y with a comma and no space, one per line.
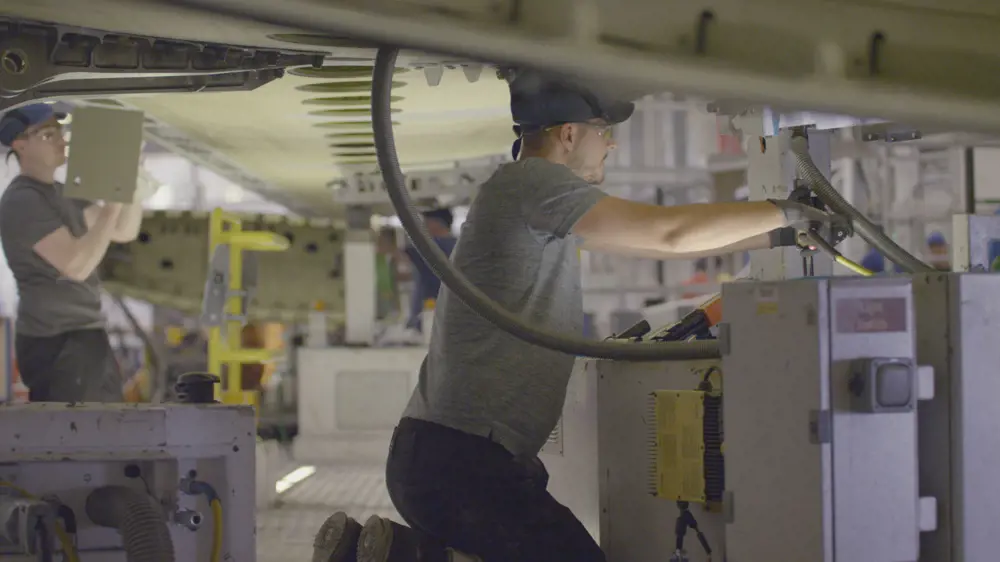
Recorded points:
227,229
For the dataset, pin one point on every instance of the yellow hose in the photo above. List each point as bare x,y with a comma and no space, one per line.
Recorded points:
818,241
216,530
854,266
67,544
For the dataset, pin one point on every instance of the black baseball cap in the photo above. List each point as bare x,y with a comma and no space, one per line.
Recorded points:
16,121
538,101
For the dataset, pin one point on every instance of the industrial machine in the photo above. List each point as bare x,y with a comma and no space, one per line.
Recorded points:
847,419
107,483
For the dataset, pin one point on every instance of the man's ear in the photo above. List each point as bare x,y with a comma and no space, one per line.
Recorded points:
569,135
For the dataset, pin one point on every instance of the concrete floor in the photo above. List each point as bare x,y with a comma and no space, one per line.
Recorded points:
285,532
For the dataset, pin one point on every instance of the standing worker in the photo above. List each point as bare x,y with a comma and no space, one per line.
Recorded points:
386,291
938,252
426,283
463,469
54,245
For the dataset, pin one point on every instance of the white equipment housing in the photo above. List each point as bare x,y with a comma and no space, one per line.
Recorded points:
64,453
821,437
350,400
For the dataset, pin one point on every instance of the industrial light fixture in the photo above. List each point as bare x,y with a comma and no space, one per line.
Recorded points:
294,477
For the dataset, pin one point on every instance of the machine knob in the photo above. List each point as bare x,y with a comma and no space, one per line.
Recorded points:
196,388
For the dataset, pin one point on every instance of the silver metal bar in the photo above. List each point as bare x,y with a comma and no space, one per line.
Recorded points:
683,61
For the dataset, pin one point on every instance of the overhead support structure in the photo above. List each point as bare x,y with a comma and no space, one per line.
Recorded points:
45,62
873,59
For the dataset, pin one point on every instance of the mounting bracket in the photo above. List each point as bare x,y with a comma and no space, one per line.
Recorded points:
41,61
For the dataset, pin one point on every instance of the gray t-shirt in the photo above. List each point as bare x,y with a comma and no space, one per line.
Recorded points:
49,304
517,248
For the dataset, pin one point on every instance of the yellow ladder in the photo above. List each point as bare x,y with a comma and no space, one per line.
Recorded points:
227,229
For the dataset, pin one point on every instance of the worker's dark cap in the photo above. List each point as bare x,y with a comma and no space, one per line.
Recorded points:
538,101
16,121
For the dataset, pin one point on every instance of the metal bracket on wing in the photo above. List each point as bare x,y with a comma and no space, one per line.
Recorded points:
43,61
458,180
217,292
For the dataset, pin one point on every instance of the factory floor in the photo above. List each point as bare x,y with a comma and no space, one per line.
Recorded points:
285,532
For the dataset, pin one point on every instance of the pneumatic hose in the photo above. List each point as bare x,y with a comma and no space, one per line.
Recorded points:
145,535
865,228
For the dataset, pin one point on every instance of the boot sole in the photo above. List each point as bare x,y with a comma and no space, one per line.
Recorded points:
337,539
375,542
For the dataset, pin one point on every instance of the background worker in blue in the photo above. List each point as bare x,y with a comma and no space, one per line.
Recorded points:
426,284
937,252
994,257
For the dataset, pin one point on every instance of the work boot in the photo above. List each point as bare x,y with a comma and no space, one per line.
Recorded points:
384,540
337,539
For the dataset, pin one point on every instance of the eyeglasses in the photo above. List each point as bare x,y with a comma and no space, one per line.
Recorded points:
604,131
48,134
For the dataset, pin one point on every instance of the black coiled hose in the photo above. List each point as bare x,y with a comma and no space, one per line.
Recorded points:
468,293
145,535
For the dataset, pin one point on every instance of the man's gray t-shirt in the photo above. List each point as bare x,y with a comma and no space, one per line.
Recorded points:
516,246
49,303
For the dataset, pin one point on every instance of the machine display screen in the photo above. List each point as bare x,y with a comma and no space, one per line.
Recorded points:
871,315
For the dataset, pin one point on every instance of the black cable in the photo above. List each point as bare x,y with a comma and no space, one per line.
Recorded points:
68,517
680,530
44,540
634,333
685,521
706,381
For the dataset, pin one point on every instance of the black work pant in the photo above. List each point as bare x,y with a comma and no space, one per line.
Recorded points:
76,366
469,493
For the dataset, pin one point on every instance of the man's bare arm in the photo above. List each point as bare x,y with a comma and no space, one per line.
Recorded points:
128,224
126,227
759,242
77,258
623,226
